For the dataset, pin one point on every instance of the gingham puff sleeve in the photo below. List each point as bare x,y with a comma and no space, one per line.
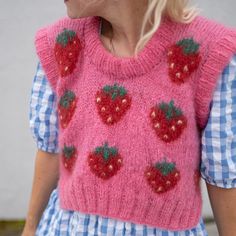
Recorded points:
218,166
43,117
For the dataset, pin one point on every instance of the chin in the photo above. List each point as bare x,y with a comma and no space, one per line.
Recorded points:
75,15
72,15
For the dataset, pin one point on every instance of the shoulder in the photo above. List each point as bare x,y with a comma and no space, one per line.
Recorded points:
217,45
60,41
208,32
210,28
52,30
217,42
215,39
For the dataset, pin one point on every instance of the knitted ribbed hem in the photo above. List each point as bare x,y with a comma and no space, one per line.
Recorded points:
127,67
46,57
131,203
217,59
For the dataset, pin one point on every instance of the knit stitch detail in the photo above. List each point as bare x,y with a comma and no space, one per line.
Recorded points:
127,67
45,46
112,103
162,176
168,121
47,56
183,59
66,50
196,179
217,58
66,108
105,161
69,155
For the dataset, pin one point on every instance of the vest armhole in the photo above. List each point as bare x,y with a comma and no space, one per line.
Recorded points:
218,56
46,57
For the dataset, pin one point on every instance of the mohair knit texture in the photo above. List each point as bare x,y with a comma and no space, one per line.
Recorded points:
130,134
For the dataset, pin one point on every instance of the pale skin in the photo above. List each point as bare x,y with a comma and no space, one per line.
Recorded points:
45,180
124,16
123,20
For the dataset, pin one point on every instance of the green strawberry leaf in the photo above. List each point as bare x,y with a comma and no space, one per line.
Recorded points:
114,91
188,45
165,167
170,110
106,151
68,151
66,36
67,98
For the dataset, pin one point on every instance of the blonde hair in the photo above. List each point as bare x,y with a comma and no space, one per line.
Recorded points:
177,10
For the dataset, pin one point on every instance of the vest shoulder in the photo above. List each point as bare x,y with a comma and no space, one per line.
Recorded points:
53,29
210,28
52,38
210,34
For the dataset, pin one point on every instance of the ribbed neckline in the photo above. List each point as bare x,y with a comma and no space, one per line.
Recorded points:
126,67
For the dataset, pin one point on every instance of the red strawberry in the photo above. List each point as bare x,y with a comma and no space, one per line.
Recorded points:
69,156
66,108
66,51
104,162
167,121
183,59
162,176
112,103
196,178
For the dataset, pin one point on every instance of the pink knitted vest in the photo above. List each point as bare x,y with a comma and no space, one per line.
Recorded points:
130,128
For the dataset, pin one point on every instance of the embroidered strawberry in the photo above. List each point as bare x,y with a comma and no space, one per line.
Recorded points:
112,103
196,178
66,108
105,161
168,121
162,176
69,155
66,51
183,59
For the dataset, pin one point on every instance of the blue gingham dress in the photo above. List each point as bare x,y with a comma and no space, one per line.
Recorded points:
218,166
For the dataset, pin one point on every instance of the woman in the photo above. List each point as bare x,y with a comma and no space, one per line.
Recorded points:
128,166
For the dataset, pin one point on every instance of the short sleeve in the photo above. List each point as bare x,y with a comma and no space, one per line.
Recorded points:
43,117
218,164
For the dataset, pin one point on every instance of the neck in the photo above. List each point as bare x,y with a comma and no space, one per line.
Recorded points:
122,22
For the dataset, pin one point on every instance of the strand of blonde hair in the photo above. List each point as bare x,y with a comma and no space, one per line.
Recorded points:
177,10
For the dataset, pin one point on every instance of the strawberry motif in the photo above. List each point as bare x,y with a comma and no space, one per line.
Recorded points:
183,59
69,155
105,161
196,178
162,176
66,108
167,121
66,51
112,103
